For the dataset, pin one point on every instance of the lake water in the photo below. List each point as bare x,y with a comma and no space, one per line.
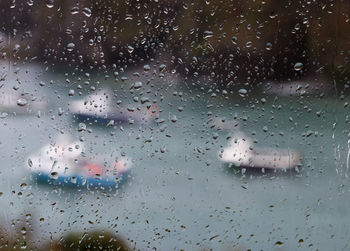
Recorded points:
185,198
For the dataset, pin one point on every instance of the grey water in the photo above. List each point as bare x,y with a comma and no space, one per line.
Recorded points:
179,195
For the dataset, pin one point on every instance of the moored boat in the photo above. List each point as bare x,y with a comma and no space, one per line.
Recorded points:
101,107
241,153
24,103
66,164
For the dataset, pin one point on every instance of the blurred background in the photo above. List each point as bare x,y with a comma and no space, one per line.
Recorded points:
276,70
231,42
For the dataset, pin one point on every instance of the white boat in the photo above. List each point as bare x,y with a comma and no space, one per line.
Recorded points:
24,103
224,124
103,108
241,153
65,164
297,88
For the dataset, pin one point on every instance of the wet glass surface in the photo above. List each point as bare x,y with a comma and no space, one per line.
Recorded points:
174,125
179,195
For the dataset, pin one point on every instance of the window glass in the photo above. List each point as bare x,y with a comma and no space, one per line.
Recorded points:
174,125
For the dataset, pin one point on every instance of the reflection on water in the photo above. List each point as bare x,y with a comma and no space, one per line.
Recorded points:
179,194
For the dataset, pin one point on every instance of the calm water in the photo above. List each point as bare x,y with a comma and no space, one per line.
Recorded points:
185,198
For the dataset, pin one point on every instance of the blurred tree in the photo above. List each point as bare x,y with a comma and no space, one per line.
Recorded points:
97,240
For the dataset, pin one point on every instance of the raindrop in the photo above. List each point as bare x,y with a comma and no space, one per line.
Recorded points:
75,10
268,46
273,15
81,127
23,230
73,180
279,243
16,47
242,92
147,67
208,34
3,115
234,40
71,92
298,66
70,46
22,102
162,67
87,12
49,3
54,175
60,111
137,85
13,4
248,44
128,17
173,119
130,49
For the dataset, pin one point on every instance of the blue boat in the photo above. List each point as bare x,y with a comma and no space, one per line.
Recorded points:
81,181
102,108
65,164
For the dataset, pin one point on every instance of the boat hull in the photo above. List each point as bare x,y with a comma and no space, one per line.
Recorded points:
79,181
118,119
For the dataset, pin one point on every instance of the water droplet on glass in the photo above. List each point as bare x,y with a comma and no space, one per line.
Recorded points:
208,34
60,111
54,175
75,10
70,46
234,40
273,15
23,230
137,85
87,12
22,102
73,180
71,92
162,67
279,243
13,4
173,119
3,115
130,49
81,127
268,46
49,3
147,67
242,92
16,47
128,17
298,66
